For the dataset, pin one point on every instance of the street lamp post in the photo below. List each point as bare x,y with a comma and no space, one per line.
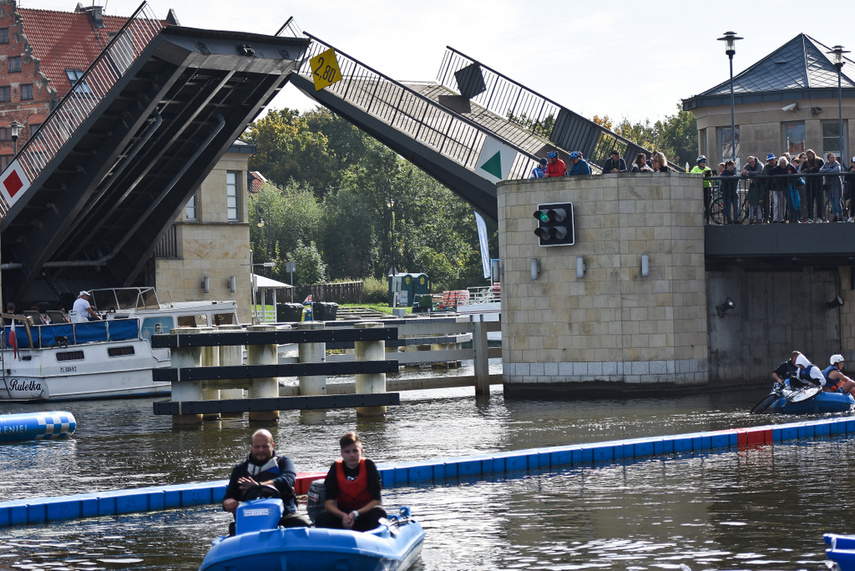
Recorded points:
16,132
837,52
729,39
393,271
261,224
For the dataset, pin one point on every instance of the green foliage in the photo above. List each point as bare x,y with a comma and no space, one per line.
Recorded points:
375,290
343,206
310,267
542,128
679,134
288,149
676,136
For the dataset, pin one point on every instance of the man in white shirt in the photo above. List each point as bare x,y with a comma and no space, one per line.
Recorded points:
82,310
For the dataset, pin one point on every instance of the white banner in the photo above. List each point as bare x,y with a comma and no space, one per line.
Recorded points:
485,247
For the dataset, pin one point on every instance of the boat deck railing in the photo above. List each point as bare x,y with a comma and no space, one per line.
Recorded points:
70,334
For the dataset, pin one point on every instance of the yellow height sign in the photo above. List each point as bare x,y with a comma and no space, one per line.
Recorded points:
325,69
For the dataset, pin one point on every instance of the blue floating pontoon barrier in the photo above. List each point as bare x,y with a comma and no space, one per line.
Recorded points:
36,425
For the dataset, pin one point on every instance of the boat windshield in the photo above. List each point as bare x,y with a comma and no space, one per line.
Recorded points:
125,298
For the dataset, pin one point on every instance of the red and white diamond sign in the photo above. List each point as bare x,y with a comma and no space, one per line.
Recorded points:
13,183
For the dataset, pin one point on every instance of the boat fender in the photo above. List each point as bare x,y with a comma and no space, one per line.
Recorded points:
256,515
36,426
315,498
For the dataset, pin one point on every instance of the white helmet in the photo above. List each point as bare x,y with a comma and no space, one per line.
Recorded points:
837,359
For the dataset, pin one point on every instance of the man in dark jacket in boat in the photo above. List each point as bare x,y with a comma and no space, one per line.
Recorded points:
263,467
352,490
786,370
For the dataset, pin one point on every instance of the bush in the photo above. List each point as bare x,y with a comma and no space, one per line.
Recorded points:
375,290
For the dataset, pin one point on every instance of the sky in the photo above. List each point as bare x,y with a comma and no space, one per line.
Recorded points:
622,59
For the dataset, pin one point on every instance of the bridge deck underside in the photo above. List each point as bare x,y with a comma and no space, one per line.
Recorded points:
96,211
779,246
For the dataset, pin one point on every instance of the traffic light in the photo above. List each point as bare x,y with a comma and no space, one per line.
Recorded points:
555,224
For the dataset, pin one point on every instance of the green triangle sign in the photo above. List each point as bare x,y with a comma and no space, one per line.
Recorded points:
493,165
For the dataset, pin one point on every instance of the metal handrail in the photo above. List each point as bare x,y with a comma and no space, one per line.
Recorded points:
527,105
85,94
453,136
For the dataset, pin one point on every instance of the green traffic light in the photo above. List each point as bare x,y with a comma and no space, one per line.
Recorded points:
542,215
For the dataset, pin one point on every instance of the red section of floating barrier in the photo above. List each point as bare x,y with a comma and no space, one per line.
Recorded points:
752,436
305,479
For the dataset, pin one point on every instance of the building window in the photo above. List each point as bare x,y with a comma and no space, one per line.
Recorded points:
34,127
5,133
831,137
5,94
27,92
5,160
14,64
794,137
4,35
726,143
233,195
191,211
73,76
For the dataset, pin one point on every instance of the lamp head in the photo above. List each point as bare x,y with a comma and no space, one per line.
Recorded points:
723,308
729,40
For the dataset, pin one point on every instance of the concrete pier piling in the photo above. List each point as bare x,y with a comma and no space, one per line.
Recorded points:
267,387
186,357
374,382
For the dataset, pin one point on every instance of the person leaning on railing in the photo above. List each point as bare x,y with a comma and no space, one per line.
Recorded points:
832,183
729,194
752,170
812,164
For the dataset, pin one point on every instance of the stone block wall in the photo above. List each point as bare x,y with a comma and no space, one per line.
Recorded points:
613,327
212,246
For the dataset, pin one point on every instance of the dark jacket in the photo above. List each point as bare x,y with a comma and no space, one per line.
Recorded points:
620,165
280,469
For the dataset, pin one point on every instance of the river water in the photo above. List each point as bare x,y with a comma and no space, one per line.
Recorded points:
760,508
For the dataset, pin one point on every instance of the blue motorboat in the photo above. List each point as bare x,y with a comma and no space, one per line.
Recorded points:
819,403
259,545
807,400
841,550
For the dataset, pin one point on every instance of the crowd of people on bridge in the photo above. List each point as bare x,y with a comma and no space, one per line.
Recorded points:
801,188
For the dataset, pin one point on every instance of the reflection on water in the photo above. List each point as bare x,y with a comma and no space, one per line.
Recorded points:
761,508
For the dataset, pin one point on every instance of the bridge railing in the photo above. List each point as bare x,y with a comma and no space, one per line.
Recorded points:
76,105
513,101
427,122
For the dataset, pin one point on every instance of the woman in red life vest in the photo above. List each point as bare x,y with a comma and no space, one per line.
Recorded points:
352,490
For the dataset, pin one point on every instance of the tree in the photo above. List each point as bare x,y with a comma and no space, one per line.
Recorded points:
310,268
679,133
289,149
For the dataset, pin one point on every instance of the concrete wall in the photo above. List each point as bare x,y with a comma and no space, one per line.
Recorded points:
212,247
612,328
776,313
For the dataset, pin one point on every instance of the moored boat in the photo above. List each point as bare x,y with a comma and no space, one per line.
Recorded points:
112,358
262,546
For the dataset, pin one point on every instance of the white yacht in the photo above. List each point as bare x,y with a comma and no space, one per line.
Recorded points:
111,358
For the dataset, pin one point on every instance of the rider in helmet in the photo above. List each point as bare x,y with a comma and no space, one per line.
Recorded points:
836,381
702,169
556,166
